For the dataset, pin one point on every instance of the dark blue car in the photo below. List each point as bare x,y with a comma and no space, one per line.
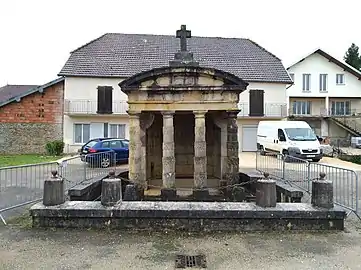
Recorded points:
106,152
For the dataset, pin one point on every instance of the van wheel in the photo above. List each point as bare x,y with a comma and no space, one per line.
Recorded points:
262,152
285,156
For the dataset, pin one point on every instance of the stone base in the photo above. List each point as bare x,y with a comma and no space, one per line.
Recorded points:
188,216
168,194
201,194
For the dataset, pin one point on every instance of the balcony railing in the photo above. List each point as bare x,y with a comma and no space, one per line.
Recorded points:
269,110
77,106
323,112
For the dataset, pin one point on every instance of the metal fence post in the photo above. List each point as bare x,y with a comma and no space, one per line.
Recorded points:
84,168
2,219
356,206
257,160
308,176
283,167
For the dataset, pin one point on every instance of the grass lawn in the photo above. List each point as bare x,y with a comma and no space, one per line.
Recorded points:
13,160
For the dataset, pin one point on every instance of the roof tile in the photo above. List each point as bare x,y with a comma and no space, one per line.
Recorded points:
124,55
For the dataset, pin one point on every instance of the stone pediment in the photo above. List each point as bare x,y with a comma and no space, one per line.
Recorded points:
183,79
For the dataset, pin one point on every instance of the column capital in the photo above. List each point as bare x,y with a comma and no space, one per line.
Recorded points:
167,113
134,114
200,114
233,113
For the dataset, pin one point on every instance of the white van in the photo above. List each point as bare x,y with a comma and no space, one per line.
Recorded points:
293,138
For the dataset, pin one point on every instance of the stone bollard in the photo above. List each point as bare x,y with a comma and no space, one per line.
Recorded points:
130,193
266,192
54,190
322,192
111,190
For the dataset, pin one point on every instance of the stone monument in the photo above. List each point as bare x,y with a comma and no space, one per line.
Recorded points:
183,125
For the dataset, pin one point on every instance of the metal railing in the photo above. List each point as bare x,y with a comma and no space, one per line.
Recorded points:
301,173
23,185
79,106
270,109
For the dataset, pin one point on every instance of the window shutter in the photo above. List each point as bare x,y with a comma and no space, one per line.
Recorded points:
256,103
105,100
101,99
108,99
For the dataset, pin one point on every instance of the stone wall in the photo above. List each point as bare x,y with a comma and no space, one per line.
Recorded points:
184,145
27,138
26,126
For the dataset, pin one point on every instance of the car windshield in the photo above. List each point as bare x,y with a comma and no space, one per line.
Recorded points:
91,144
300,134
125,143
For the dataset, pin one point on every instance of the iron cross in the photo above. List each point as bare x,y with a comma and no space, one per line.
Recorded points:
183,34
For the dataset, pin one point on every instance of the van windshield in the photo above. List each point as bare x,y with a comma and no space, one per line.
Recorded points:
300,134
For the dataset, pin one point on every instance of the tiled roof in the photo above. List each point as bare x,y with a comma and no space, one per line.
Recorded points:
124,55
23,91
10,91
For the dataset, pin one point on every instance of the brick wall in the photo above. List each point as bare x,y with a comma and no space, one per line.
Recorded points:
26,126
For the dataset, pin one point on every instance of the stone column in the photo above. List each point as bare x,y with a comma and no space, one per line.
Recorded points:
135,149
200,156
168,191
146,120
221,122
231,175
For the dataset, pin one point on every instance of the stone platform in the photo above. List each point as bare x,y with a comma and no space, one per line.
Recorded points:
189,216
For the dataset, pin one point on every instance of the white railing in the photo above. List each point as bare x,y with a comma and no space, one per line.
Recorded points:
91,107
269,110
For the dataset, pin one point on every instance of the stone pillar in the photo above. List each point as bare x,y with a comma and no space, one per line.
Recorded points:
146,120
111,190
266,192
135,149
231,174
322,192
168,191
200,156
53,190
221,122
324,128
327,105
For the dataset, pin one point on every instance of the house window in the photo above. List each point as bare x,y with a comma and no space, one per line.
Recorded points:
292,75
105,100
306,82
341,107
301,108
81,133
323,82
340,78
117,131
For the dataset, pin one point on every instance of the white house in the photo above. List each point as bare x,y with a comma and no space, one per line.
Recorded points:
324,91
96,107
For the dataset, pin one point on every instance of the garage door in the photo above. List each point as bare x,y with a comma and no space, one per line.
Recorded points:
249,138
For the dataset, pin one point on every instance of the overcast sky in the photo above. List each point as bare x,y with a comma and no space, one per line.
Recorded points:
37,36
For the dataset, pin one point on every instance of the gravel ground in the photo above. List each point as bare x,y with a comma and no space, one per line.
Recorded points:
24,248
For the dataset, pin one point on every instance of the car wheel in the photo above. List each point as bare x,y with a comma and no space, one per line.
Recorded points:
316,159
105,162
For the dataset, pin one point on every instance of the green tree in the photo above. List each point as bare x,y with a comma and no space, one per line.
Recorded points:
352,57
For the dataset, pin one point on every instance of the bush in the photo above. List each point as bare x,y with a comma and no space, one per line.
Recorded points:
55,148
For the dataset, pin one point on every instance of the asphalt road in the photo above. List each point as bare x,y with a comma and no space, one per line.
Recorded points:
25,183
